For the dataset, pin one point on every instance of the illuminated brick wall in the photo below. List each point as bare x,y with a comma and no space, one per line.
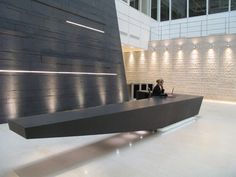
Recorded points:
201,66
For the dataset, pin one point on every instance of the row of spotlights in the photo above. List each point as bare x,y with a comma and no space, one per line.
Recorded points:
194,47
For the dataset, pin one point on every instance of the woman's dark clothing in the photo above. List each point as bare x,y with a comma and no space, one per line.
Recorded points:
157,91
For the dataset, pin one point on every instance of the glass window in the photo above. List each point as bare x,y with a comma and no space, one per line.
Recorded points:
233,4
178,9
216,6
197,7
146,6
154,9
134,4
164,10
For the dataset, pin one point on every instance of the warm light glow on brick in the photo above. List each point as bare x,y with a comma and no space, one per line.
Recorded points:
131,58
166,57
142,57
211,56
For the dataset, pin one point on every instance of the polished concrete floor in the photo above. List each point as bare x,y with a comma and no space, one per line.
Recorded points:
204,146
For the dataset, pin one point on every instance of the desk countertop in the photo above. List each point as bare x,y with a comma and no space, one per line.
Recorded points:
99,110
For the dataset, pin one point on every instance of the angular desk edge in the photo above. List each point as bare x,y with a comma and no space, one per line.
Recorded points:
147,114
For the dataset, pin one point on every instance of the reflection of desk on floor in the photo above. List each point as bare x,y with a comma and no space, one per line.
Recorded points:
146,114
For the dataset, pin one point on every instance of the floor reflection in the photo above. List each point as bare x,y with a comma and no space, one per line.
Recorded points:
59,163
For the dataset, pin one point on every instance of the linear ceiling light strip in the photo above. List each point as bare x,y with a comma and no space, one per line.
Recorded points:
57,72
84,26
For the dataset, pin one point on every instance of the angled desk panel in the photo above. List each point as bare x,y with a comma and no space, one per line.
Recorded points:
146,114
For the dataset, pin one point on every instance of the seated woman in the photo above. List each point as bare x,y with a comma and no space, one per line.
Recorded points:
158,89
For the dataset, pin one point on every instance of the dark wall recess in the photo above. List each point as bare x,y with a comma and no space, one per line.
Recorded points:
34,36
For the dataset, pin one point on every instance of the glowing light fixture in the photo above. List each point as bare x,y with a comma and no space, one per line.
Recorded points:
118,152
180,43
154,44
85,172
57,72
141,132
84,26
142,54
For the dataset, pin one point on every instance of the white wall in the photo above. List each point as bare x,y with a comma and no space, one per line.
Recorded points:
208,70
134,26
137,29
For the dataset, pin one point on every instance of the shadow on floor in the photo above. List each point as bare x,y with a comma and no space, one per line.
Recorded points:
56,164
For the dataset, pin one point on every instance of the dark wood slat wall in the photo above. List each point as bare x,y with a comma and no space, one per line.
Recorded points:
34,35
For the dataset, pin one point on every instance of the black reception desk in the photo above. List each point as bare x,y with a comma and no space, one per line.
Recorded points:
146,114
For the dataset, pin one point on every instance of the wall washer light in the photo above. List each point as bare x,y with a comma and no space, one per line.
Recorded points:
84,26
57,72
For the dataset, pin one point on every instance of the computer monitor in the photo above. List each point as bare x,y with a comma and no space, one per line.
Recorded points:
172,93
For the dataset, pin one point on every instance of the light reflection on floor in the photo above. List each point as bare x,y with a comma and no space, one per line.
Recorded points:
205,146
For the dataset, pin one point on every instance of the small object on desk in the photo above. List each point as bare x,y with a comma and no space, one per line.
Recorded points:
172,93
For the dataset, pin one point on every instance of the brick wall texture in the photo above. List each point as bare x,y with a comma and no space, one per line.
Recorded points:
200,66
